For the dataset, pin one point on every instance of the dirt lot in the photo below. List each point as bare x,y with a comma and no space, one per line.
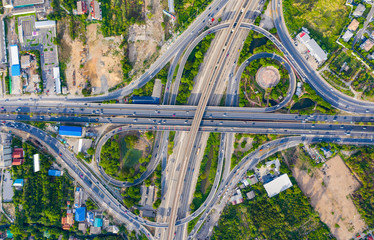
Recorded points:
9,209
97,61
143,39
329,194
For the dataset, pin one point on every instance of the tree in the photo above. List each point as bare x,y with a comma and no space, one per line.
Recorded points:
91,151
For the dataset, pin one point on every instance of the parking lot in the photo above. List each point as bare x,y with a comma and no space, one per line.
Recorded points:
39,36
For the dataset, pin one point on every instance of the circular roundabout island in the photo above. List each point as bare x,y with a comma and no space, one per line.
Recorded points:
267,77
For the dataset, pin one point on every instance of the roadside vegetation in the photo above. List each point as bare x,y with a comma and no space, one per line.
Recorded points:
187,11
310,102
361,163
287,215
242,140
147,89
251,94
207,171
40,202
191,69
256,43
324,19
121,158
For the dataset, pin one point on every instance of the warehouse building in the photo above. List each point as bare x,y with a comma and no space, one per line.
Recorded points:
80,214
315,50
277,185
14,61
70,131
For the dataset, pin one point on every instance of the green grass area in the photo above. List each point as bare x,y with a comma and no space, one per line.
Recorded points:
287,215
325,19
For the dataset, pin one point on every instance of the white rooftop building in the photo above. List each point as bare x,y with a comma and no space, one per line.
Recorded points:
36,163
347,36
315,50
277,185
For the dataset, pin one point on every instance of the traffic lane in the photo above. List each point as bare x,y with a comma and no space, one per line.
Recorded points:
187,113
156,157
206,125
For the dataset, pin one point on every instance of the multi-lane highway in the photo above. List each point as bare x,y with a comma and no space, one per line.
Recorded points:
343,129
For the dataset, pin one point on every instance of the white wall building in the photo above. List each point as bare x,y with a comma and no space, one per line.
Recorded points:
278,185
315,50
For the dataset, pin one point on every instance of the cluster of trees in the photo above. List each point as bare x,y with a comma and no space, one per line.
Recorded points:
207,171
118,16
187,10
257,140
191,69
42,197
361,163
171,142
131,196
280,90
147,89
320,105
156,178
288,215
364,82
110,156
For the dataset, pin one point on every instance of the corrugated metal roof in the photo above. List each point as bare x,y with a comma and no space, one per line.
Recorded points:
278,185
14,55
70,131
80,214
54,172
16,70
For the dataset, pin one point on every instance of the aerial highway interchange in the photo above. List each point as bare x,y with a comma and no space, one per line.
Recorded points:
194,121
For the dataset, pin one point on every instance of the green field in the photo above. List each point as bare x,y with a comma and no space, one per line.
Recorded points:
325,19
131,156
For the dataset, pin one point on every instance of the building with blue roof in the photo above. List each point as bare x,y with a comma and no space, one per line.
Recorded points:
14,61
55,173
70,131
145,100
98,222
15,70
18,183
80,214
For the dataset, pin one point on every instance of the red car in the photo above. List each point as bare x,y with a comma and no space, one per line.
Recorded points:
60,154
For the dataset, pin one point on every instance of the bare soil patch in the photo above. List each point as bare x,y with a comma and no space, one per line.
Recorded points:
97,60
329,190
144,39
